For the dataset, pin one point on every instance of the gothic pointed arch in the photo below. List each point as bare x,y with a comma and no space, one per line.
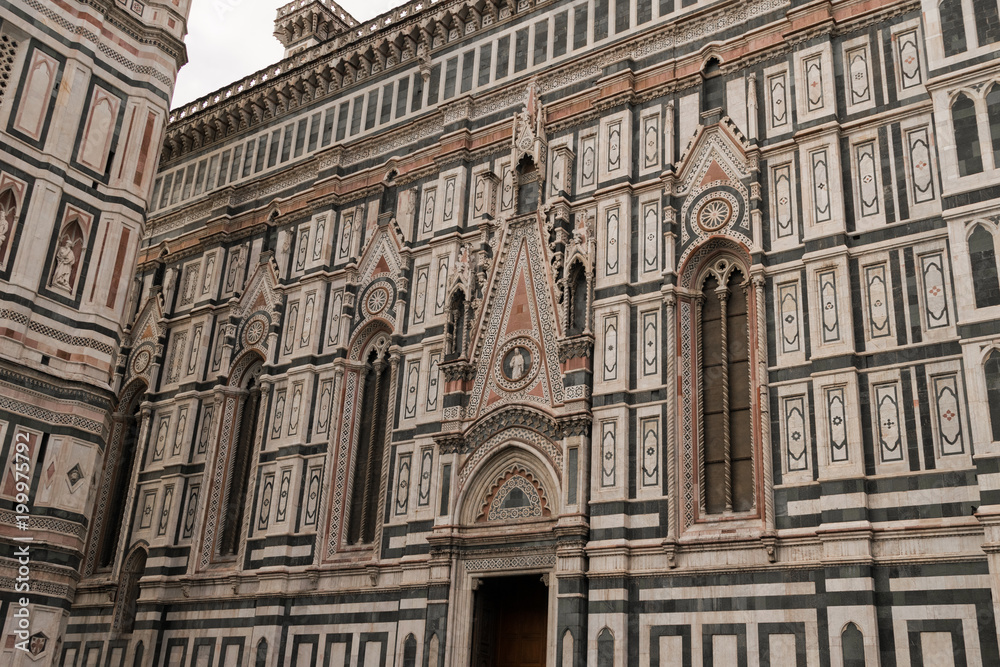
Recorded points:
509,484
236,443
360,460
127,595
139,359
720,408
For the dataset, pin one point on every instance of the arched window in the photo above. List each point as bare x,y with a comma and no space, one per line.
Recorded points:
120,471
992,113
987,21
239,468
713,95
852,643
952,26
368,455
8,219
992,371
970,155
577,296
982,256
605,648
456,324
128,591
410,651
139,650
727,422
261,659
527,185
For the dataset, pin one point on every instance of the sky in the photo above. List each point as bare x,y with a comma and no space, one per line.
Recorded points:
228,39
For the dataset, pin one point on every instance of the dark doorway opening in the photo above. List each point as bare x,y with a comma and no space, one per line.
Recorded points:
509,622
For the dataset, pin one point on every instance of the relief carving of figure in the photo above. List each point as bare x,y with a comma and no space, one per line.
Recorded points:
65,261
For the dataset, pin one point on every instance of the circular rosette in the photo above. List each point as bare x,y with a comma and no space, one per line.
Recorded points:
519,361
714,214
254,330
141,360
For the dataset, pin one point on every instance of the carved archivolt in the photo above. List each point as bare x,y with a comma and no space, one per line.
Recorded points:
514,495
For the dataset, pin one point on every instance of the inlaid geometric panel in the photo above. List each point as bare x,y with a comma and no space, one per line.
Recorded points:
433,377
291,324
781,196
836,414
888,429
266,498
346,235
830,317
312,496
420,284
609,463
859,87
441,285
610,365
427,211
336,309
426,468
449,199
813,68
410,390
935,294
796,437
651,141
947,406
819,162
650,237
908,58
294,409
403,483
612,221
650,343
866,167
788,309
284,491
877,298
649,432
165,507
191,510
777,86
278,417
324,404
588,161
307,319
921,178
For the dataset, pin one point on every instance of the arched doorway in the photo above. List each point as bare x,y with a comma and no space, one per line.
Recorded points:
505,598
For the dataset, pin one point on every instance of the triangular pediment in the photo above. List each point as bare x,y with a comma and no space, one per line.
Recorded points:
144,339
379,273
716,154
516,337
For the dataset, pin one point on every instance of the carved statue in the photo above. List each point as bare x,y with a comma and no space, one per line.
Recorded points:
65,261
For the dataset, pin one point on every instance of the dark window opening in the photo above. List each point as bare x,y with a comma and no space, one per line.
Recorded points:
239,469
970,156
368,456
982,256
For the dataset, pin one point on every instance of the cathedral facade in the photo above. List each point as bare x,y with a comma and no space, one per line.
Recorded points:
577,332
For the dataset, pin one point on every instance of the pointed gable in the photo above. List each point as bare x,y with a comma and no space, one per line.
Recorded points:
516,338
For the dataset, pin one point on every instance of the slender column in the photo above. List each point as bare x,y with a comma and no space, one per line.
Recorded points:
702,490
764,403
723,293
370,458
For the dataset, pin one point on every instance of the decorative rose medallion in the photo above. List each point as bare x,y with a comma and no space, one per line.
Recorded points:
378,299
254,332
141,361
715,214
